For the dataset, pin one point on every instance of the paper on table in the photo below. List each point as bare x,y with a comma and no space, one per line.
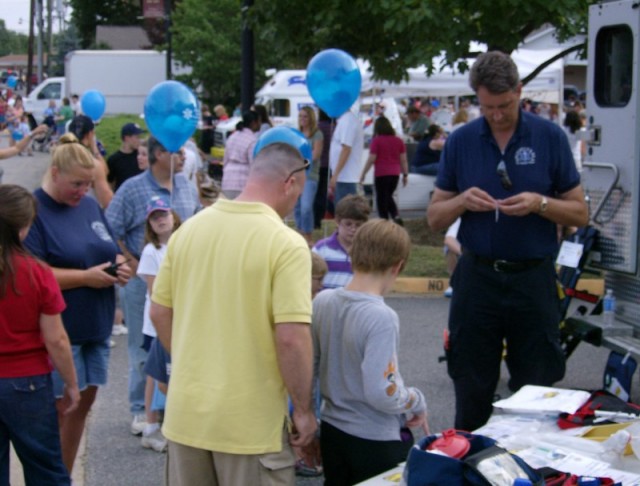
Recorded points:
542,399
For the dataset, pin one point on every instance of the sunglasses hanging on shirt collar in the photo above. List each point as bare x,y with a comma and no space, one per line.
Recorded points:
504,176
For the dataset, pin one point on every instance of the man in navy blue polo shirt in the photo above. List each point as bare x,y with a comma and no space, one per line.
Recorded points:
510,176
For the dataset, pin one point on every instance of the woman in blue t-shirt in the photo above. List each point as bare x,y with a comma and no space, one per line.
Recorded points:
72,235
425,160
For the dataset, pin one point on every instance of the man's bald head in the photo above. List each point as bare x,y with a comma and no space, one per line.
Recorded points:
276,161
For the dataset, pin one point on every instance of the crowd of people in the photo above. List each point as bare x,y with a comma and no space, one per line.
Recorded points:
268,357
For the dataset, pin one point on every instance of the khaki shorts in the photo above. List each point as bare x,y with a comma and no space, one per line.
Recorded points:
186,466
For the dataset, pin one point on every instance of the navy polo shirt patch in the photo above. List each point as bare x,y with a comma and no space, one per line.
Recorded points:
525,156
101,230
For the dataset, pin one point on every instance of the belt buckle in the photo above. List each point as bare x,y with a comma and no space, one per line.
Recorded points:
497,264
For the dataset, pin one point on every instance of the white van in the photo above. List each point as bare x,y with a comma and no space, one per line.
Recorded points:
286,93
38,99
283,96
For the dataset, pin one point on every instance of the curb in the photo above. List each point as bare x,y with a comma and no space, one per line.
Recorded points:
437,286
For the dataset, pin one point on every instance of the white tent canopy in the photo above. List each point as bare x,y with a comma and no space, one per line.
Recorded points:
546,86
450,82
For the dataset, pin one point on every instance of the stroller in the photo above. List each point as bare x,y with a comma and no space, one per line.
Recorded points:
42,142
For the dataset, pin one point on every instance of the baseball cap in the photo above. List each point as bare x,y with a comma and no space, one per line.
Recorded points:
131,129
290,136
158,203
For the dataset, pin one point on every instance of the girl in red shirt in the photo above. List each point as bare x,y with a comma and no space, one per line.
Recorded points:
31,338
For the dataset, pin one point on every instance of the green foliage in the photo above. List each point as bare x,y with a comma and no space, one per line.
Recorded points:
206,35
392,35
108,130
64,42
395,35
12,42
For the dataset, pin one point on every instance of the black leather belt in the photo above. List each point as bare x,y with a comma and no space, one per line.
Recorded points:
506,266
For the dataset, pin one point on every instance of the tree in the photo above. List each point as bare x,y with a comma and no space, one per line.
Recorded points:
12,42
394,35
64,42
206,35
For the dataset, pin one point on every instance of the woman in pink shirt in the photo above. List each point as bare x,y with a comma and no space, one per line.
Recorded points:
389,156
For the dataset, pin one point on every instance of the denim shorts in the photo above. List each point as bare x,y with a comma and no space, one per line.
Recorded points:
92,365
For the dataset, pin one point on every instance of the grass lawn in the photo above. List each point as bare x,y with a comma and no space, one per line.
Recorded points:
108,130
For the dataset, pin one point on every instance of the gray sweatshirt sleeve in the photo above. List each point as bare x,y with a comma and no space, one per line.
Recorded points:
383,385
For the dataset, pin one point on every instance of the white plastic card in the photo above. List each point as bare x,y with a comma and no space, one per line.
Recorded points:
570,254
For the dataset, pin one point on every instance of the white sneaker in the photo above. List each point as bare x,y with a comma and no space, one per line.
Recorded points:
448,292
138,423
155,441
119,329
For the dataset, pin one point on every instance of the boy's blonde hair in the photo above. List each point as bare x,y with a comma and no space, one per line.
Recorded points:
379,245
318,265
354,207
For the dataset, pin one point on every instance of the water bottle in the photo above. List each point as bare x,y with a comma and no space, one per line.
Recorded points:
522,482
608,308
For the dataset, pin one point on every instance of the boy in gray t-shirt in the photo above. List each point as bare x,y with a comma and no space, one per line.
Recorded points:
355,337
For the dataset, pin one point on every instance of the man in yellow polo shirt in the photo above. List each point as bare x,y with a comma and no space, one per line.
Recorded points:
232,304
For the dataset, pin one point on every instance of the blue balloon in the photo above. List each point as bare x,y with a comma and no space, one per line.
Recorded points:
12,81
288,135
17,135
334,81
93,104
171,112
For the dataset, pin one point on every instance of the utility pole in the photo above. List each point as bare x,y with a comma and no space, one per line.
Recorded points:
49,33
40,19
247,90
167,26
32,12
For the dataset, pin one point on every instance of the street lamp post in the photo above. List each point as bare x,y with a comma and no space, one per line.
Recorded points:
167,25
248,63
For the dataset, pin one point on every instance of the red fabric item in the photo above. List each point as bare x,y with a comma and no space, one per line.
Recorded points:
22,351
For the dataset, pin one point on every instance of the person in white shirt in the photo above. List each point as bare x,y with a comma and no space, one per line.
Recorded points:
345,156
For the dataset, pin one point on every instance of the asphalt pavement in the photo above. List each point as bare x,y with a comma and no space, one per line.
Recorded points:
112,456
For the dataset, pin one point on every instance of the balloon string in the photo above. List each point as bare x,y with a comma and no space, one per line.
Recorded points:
171,180
326,199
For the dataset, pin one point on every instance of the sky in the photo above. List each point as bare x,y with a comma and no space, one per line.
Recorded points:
15,14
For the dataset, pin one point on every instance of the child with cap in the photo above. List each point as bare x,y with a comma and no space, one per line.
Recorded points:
123,164
161,222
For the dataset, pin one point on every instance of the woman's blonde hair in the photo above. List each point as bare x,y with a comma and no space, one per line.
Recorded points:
313,120
70,153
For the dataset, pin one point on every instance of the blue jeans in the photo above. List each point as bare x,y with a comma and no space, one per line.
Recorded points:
132,298
91,361
344,189
29,420
304,207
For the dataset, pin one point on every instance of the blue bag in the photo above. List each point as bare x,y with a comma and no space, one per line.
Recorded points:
430,469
